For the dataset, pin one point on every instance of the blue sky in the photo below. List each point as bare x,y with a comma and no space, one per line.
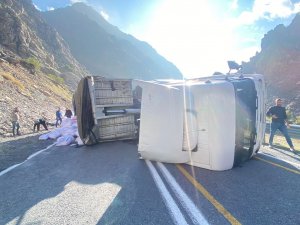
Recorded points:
198,36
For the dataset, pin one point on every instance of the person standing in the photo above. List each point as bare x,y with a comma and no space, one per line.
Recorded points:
279,122
15,117
58,117
68,113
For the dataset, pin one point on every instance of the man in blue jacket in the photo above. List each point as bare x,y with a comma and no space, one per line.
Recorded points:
280,122
58,117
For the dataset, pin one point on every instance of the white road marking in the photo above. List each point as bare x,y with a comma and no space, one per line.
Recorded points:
30,157
175,212
195,214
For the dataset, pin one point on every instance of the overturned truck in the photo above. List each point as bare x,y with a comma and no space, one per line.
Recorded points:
214,122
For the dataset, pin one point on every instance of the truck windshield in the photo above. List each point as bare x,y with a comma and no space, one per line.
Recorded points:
246,96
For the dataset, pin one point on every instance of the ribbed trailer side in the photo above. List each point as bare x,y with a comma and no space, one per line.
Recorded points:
94,97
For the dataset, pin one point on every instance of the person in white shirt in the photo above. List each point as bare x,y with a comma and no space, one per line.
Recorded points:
15,117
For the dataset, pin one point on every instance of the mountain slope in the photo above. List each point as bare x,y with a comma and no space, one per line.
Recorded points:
36,95
104,49
33,60
24,32
279,61
142,46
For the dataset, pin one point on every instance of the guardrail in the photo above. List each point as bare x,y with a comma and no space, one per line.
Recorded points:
294,131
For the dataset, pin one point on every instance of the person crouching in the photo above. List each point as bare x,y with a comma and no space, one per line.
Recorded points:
38,123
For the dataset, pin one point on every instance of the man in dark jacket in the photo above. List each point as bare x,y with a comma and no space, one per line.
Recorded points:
68,113
279,121
38,123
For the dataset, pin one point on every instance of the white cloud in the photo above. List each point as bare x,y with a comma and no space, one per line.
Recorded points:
104,15
247,18
269,9
50,8
234,5
35,6
74,1
297,7
273,9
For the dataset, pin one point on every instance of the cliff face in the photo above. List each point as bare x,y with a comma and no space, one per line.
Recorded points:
104,49
25,33
35,86
279,61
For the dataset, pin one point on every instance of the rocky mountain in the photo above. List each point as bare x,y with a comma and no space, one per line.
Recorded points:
37,69
279,61
25,33
104,49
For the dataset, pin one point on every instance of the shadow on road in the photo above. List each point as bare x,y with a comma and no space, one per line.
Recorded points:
49,174
17,150
286,151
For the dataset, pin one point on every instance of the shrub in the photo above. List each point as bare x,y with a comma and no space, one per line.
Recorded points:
60,91
34,62
291,116
15,81
297,120
56,79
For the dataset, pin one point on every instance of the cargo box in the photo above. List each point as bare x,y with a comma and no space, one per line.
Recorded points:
93,99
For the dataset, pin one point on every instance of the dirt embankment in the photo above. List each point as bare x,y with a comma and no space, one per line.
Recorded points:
35,95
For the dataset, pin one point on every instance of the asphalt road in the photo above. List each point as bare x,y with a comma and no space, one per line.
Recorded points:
15,150
108,184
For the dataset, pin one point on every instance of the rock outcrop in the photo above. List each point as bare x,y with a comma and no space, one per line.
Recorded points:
25,33
279,61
